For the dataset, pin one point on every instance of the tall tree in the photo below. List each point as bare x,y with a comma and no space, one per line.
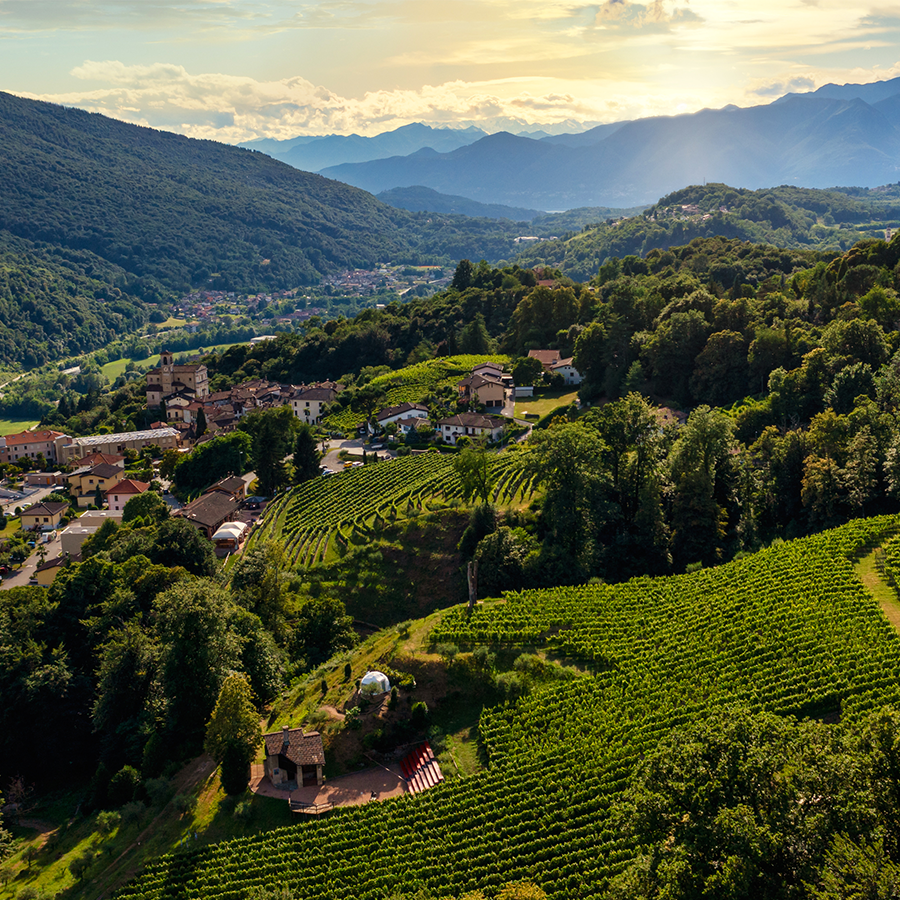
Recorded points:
234,733
272,432
474,468
306,455
197,651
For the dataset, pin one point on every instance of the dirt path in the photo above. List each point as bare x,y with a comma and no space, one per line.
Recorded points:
45,828
868,574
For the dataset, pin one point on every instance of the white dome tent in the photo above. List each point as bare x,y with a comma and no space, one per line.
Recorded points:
374,683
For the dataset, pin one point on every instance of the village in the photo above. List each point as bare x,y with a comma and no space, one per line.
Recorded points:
70,486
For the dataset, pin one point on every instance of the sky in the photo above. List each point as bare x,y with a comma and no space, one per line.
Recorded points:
236,70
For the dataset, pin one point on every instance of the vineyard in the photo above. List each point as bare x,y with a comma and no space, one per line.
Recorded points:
413,384
323,514
789,629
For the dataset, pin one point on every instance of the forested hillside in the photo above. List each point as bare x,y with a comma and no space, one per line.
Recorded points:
57,302
784,216
174,212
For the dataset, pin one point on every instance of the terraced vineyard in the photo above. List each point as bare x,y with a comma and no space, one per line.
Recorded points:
315,516
413,384
789,630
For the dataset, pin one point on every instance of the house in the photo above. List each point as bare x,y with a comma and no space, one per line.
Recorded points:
308,402
232,485
210,511
46,573
170,379
85,483
165,438
471,425
120,493
555,365
569,373
402,412
43,516
31,444
487,389
294,755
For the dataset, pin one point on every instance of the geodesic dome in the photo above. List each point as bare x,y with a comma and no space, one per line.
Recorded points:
374,683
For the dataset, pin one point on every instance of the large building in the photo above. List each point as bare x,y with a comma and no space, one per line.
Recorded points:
309,401
170,378
117,444
31,444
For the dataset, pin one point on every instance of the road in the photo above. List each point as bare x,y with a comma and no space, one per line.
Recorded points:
23,575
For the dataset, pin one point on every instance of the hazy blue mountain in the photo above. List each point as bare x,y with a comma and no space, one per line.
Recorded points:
807,140
314,153
421,199
585,138
871,93
275,147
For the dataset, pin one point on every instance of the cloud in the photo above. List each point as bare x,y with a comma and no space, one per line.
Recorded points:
236,108
798,84
637,15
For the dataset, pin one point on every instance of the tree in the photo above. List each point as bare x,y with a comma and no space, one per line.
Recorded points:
234,733
567,460
229,454
149,504
462,277
322,628
527,370
272,432
473,466
178,543
200,423
306,456
197,650
475,338
699,464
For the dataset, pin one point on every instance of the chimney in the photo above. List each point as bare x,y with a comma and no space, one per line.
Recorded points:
286,734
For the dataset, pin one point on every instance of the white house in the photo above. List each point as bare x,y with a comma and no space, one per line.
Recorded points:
470,425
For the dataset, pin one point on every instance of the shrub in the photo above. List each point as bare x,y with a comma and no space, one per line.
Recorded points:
184,803
124,786
132,812
108,821
419,714
158,790
243,810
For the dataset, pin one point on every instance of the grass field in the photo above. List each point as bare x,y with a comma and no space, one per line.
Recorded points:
545,402
13,426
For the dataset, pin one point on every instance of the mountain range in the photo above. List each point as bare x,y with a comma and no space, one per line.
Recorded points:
838,135
315,153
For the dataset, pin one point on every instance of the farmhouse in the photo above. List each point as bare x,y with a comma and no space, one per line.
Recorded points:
210,511
294,755
555,365
402,413
471,425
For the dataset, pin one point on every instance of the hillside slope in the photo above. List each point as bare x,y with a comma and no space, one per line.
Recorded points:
176,210
789,630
